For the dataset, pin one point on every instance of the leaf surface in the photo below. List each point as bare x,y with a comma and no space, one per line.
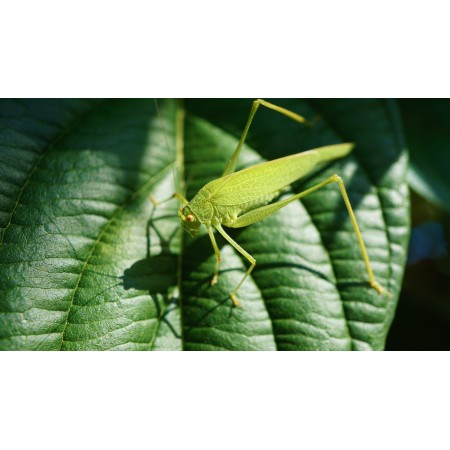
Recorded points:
87,263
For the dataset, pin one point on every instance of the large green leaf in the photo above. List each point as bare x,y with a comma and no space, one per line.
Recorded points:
86,262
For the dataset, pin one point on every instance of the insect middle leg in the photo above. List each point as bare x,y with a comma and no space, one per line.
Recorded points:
243,253
156,203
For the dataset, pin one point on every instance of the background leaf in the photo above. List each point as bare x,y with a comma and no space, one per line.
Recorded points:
87,263
427,129
422,319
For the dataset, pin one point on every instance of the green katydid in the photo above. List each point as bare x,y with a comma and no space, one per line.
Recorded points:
238,199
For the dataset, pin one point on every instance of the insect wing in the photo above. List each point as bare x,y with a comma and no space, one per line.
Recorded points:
251,184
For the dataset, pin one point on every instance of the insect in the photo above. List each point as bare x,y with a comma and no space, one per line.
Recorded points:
241,198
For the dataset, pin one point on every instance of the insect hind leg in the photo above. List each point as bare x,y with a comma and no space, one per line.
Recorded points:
260,213
337,179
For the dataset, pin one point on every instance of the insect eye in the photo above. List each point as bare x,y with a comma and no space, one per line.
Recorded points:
190,218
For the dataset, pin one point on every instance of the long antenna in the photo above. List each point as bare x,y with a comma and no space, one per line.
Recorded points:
163,127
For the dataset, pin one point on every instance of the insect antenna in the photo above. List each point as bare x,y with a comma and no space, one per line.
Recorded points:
165,134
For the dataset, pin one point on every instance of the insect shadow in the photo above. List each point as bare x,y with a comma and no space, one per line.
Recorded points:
157,274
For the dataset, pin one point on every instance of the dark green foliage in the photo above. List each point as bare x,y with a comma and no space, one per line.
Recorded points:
427,129
86,263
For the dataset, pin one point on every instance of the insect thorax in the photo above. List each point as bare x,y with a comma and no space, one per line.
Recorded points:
201,207
205,212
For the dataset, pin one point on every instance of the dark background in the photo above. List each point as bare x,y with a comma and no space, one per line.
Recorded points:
422,321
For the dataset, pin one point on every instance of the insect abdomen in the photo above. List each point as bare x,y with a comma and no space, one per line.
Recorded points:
228,214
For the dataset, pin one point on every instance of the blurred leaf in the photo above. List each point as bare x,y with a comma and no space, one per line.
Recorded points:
427,242
87,263
427,131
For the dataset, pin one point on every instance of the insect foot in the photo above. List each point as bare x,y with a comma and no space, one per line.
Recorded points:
235,300
379,288
153,200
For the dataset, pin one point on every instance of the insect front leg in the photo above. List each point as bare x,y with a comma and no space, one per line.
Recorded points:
217,252
156,203
243,253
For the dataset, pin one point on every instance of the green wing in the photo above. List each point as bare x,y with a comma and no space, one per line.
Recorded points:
263,180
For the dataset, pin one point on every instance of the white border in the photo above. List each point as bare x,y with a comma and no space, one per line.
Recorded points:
231,49
224,400
211,400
